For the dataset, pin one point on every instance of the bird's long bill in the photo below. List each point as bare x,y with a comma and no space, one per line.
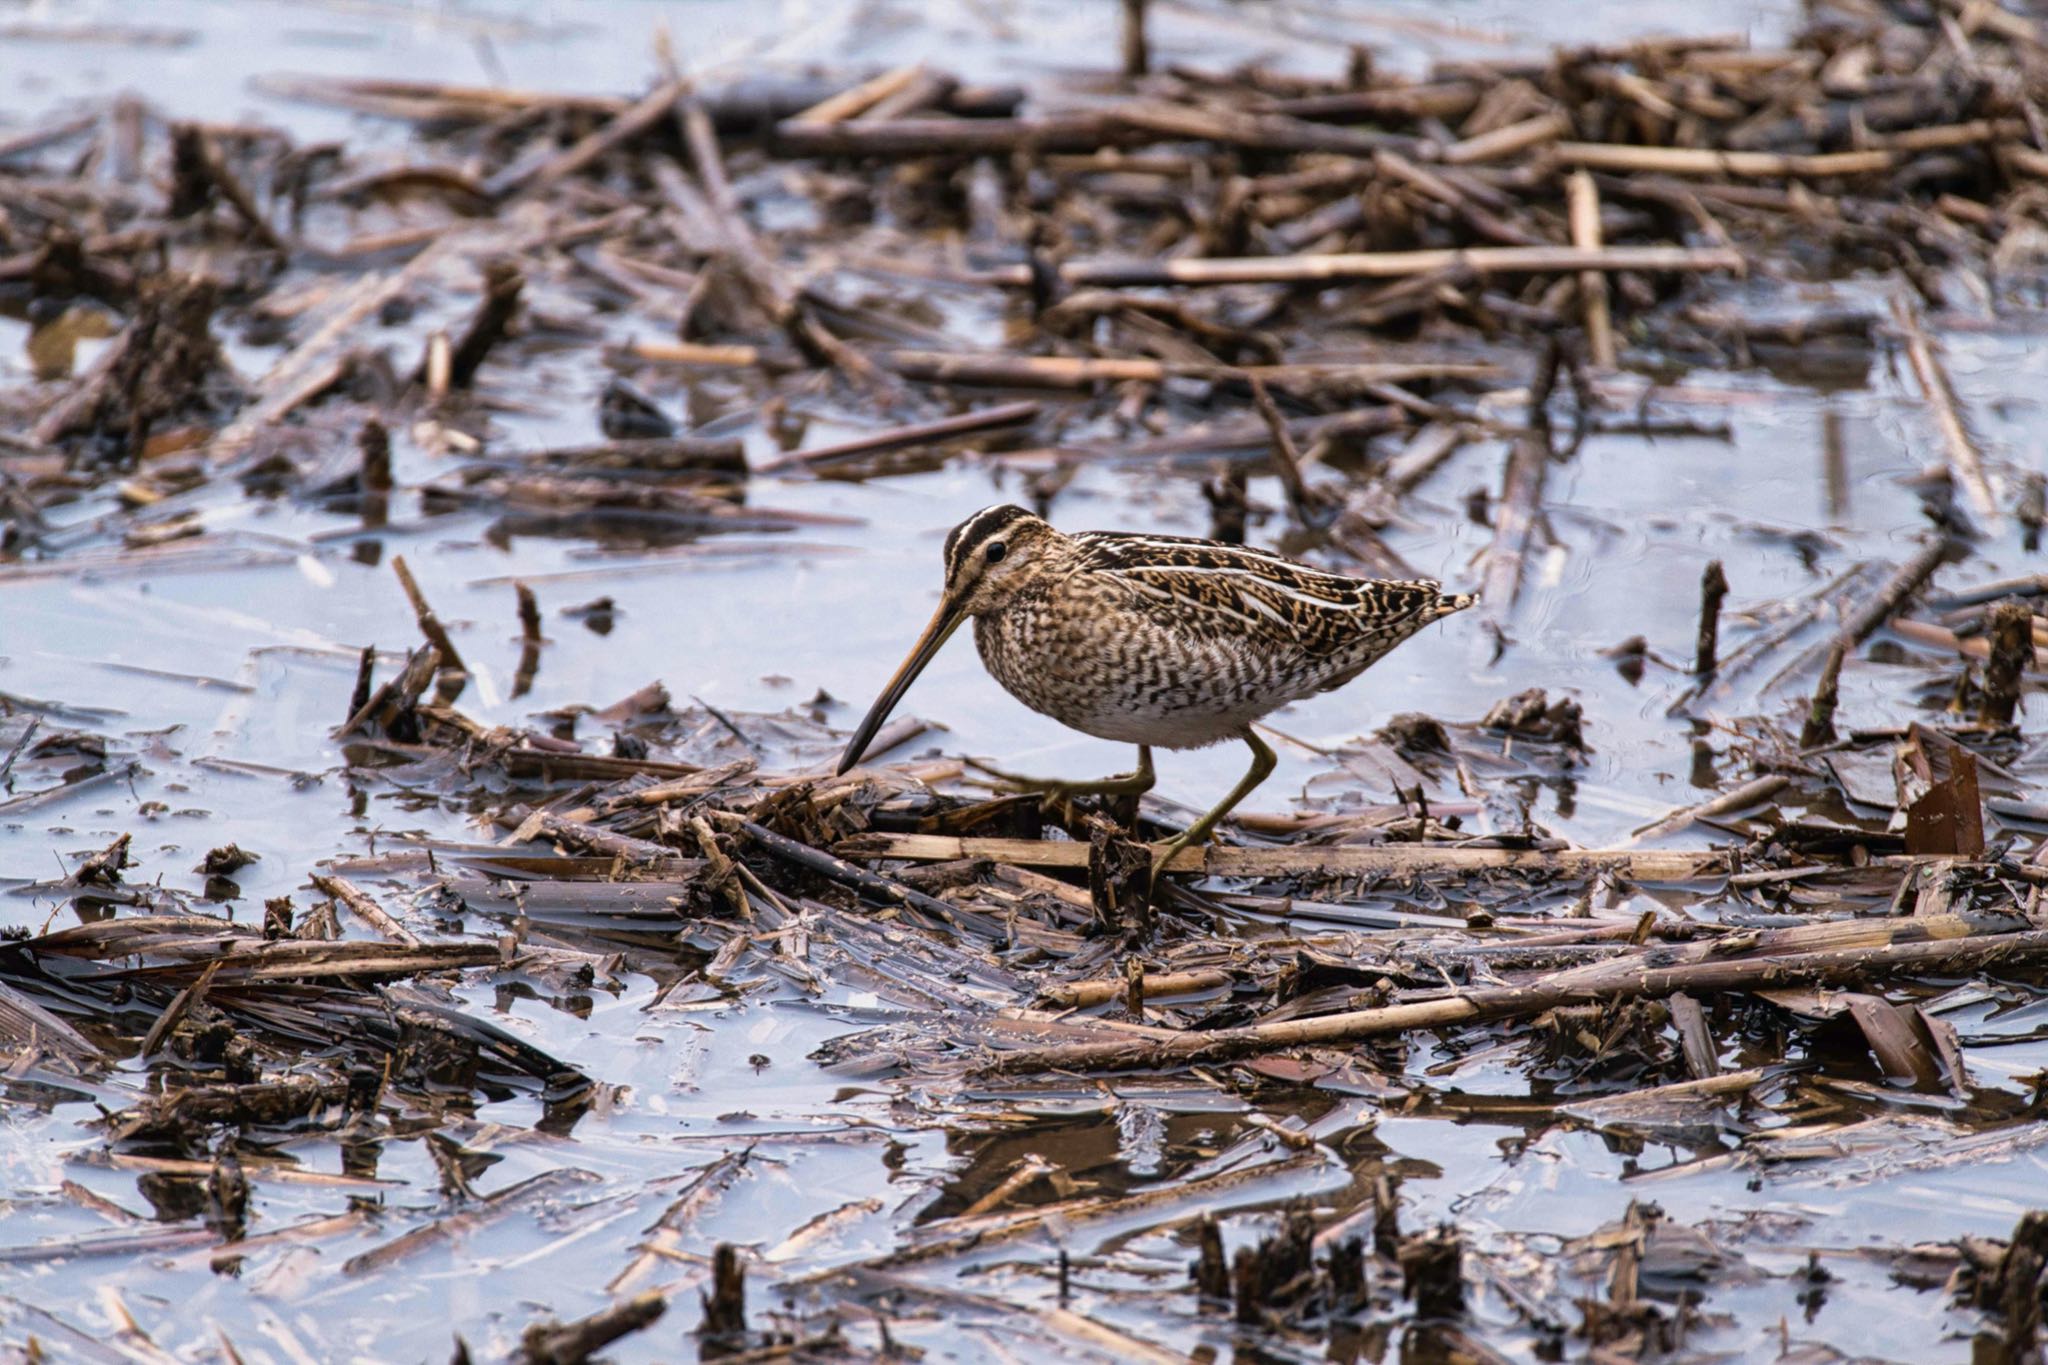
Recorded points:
944,622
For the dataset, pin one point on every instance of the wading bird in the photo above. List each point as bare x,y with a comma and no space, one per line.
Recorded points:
1154,640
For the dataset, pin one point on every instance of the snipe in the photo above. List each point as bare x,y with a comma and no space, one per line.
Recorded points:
1155,640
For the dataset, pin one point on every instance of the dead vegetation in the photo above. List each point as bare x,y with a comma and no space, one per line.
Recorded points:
1340,281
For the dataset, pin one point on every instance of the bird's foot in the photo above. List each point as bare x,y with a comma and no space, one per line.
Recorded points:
1164,854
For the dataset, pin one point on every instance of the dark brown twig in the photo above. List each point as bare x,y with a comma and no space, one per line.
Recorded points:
1819,728
1136,59
430,624
553,1343
1713,589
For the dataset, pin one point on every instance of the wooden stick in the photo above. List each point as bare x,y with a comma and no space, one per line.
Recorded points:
1260,131
1819,728
727,357
927,90
1129,124
1082,994
1286,456
1713,590
503,284
231,189
1077,372
430,624
304,368
346,892
1635,980
1514,518
1502,143
787,304
921,137
1584,203
395,696
1136,58
1906,580
1598,156
1383,265
1847,935
557,1343
896,438
1965,465
629,124
859,878
857,100
1445,100
1746,795
1348,860
1976,647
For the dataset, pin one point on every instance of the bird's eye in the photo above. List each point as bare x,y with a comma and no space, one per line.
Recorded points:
996,551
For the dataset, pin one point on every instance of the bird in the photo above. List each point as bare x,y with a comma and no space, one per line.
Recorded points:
1159,641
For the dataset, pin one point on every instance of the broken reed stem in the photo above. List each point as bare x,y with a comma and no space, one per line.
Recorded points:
1505,142
1514,520
430,624
358,697
1072,995
1629,982
1335,267
1713,589
1906,580
1137,59
855,100
1584,207
198,164
530,641
531,824
374,444
347,893
1739,798
553,1343
846,874
629,124
503,284
2011,627
725,1306
1303,860
398,695
1003,370
1621,157
435,366
898,438
1965,464
529,614
28,733
1029,1168
1820,715
1286,455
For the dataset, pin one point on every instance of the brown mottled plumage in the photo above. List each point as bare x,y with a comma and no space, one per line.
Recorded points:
1155,639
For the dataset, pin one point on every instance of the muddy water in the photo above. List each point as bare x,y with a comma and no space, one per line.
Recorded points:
222,676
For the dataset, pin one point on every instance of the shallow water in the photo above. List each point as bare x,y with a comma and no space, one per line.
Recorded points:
252,665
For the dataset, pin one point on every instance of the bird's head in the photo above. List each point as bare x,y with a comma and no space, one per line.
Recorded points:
991,558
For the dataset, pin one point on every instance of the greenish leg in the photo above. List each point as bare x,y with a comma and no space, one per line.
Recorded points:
1135,783
1264,760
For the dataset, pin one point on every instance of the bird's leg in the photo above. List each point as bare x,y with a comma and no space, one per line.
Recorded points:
1134,783
1263,762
